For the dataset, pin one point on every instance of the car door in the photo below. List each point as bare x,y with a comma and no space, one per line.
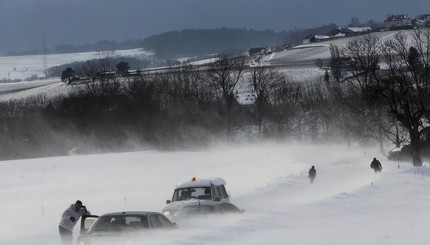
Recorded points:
86,222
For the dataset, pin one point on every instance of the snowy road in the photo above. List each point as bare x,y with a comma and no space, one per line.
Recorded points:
269,181
8,88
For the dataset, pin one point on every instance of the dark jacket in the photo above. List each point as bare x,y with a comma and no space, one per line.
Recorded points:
376,164
312,172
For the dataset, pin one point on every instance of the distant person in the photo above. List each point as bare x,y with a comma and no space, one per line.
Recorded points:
376,165
312,174
69,219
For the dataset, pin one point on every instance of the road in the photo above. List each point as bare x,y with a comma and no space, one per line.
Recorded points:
9,88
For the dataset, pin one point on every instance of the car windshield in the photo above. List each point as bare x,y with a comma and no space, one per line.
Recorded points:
190,193
120,223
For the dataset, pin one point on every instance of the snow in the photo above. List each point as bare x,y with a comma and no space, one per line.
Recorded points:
49,89
23,67
347,204
201,182
360,29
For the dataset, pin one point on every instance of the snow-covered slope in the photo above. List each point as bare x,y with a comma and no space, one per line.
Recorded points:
23,67
320,50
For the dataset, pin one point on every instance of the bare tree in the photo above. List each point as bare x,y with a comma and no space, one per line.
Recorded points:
285,105
264,79
364,113
403,87
224,75
406,84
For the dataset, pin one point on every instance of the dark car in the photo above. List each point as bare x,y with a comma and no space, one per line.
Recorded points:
203,209
120,227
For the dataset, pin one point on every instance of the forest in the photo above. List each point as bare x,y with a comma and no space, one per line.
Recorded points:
193,43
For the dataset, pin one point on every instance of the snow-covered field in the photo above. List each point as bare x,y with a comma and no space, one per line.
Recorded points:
23,67
348,203
321,50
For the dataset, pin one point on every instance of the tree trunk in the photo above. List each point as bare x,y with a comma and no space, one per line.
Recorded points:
415,148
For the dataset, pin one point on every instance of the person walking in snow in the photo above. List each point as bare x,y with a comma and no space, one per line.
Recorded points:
312,174
376,165
69,219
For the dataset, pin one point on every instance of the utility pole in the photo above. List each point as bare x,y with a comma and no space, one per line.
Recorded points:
45,59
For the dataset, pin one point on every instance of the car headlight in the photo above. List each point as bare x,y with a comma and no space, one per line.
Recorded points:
167,213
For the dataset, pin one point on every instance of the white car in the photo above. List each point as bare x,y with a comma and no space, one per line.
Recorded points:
206,190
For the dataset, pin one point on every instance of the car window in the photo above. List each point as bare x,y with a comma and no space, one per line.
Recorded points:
217,191
120,222
103,223
223,191
207,194
189,193
155,222
165,221
144,222
88,222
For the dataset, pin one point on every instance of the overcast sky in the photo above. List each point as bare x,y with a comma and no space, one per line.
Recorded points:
24,23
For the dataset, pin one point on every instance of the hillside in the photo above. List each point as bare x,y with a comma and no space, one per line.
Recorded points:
203,42
21,67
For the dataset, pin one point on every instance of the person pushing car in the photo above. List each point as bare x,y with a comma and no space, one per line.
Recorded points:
69,219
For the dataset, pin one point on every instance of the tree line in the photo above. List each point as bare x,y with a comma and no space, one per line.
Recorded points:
193,43
374,91
186,107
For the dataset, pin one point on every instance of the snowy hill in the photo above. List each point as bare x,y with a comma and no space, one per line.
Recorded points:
319,50
22,67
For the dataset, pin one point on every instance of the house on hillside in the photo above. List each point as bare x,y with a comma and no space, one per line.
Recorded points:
311,38
356,31
398,22
256,51
336,33
422,20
